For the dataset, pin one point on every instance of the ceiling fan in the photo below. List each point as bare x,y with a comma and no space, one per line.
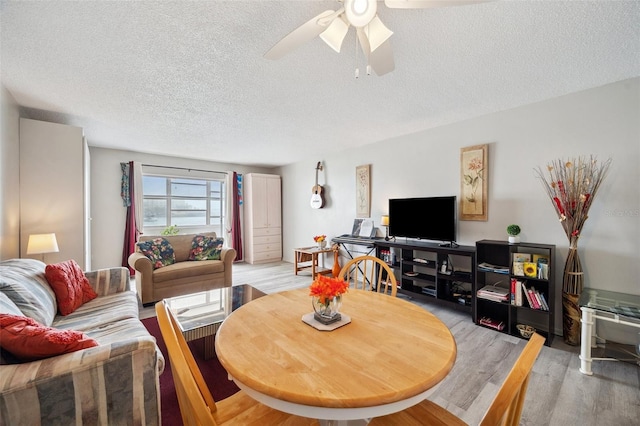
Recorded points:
332,27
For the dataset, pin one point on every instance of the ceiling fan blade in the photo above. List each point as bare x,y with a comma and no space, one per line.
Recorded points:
381,60
304,33
378,33
334,35
427,4
364,42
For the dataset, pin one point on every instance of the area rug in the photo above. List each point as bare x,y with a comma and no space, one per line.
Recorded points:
214,375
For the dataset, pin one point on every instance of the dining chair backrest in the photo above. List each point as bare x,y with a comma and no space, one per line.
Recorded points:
506,408
196,403
370,273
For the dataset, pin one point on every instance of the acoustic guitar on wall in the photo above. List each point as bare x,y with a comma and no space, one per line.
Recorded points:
317,199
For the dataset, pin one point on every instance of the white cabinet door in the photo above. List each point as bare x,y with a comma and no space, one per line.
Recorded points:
274,202
258,202
53,188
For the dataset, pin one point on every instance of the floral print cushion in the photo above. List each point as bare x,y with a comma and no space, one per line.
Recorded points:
205,248
159,252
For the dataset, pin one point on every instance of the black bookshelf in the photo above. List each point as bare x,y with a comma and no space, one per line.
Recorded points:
495,267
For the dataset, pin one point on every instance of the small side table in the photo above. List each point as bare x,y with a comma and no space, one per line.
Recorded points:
619,308
302,262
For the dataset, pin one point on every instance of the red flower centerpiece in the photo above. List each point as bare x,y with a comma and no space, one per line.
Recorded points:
327,298
321,240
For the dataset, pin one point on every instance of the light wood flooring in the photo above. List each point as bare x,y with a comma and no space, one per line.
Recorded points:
558,393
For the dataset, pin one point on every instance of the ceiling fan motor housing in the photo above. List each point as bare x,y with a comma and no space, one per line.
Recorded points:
360,12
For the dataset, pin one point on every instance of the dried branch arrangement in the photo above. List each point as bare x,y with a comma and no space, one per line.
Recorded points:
572,185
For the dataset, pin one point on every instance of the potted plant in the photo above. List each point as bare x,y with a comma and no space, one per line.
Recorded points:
170,230
514,232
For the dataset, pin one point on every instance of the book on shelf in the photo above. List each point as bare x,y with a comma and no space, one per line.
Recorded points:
495,293
539,259
521,257
490,322
542,262
513,291
544,302
535,299
540,298
530,269
485,266
518,269
516,292
543,271
527,297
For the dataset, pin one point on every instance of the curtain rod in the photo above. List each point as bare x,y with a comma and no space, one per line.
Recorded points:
183,168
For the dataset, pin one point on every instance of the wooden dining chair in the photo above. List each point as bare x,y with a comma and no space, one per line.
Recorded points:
505,410
369,273
197,406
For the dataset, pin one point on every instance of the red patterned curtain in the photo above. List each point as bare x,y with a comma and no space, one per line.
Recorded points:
131,233
236,228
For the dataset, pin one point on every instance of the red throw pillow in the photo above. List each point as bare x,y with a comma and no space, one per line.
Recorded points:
70,285
27,340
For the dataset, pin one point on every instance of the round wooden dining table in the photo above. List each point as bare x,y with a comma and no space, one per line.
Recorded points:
385,360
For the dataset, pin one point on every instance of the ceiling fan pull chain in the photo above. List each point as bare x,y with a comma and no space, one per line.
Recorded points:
357,72
369,55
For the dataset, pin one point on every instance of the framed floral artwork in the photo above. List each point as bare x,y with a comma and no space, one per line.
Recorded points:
474,173
363,191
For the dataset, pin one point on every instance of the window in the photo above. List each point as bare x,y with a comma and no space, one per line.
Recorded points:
188,203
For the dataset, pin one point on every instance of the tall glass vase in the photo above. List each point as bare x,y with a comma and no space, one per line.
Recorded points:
572,284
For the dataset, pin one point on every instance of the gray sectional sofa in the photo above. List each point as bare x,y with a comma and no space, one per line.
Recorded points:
114,383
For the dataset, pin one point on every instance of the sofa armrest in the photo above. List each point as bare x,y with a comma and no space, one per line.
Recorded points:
228,255
110,384
109,281
144,275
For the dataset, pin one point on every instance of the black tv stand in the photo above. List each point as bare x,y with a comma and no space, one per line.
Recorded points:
418,267
450,244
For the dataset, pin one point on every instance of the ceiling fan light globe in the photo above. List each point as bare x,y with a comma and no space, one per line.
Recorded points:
378,33
334,35
360,12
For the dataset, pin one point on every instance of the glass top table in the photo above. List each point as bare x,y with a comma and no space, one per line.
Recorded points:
199,315
596,304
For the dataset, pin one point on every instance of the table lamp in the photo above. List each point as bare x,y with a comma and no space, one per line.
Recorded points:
42,243
384,221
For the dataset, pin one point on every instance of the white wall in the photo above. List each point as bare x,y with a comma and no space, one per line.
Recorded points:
603,121
107,212
9,176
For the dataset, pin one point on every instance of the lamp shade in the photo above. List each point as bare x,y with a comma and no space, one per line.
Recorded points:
384,220
42,243
335,33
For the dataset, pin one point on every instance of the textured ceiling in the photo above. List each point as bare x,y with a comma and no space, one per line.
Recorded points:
187,78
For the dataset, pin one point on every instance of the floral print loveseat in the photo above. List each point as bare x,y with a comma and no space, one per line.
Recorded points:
178,268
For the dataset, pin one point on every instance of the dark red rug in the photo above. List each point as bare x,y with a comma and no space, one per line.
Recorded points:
214,374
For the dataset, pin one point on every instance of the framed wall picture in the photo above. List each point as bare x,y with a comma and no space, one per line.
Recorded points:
363,191
474,173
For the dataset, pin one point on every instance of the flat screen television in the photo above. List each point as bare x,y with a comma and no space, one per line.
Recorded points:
427,218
